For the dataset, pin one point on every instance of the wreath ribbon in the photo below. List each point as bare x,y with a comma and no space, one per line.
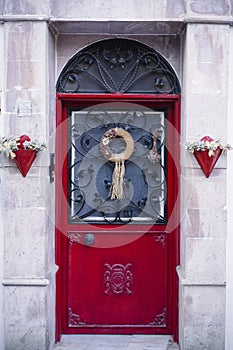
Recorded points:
117,189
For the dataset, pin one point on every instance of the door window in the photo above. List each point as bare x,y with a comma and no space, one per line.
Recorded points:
91,174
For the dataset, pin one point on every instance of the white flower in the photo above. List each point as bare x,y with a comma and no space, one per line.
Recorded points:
10,144
204,145
34,145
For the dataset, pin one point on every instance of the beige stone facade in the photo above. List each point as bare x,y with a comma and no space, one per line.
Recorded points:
36,41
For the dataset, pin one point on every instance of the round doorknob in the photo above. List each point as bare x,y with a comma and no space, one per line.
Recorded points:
89,239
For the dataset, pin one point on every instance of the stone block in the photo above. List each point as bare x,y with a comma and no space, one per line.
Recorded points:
210,7
181,317
50,244
19,192
50,301
25,320
29,7
102,11
175,11
205,81
51,62
25,41
27,194
206,193
204,113
204,317
25,75
34,126
207,78
15,96
206,223
183,247
206,43
205,258
210,43
202,120
24,244
198,192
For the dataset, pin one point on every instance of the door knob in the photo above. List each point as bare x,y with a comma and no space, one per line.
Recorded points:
89,239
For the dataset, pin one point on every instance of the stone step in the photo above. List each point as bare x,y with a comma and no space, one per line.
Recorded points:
116,342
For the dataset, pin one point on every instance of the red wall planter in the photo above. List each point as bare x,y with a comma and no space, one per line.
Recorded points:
24,159
206,162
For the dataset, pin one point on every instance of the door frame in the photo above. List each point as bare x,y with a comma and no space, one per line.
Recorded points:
63,100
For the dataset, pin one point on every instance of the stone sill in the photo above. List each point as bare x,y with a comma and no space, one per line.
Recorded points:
33,282
200,282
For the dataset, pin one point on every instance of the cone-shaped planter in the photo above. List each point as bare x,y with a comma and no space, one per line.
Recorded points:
24,159
207,163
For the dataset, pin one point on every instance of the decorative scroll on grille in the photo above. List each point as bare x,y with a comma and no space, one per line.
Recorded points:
90,173
118,65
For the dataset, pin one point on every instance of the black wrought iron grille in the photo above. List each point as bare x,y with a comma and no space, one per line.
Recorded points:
90,173
118,65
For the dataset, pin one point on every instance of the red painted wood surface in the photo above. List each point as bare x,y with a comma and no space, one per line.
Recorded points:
125,286
85,304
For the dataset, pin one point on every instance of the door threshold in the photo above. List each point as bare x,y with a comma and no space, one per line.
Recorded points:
115,342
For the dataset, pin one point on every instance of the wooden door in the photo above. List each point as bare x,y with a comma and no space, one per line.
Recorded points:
117,257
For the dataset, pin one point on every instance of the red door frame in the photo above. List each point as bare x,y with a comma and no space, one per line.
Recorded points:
66,100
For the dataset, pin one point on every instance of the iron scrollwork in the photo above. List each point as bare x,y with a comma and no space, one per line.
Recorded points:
118,65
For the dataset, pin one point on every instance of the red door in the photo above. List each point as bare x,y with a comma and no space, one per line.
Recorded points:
117,255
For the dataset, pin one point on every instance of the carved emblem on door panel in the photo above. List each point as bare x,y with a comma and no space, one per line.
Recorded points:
118,279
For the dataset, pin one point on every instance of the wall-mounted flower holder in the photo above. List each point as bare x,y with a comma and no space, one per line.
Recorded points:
22,150
206,162
207,152
24,159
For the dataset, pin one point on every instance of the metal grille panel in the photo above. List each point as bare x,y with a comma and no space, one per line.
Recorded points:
118,65
90,174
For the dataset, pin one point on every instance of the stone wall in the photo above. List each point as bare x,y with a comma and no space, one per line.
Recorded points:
29,291
203,229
